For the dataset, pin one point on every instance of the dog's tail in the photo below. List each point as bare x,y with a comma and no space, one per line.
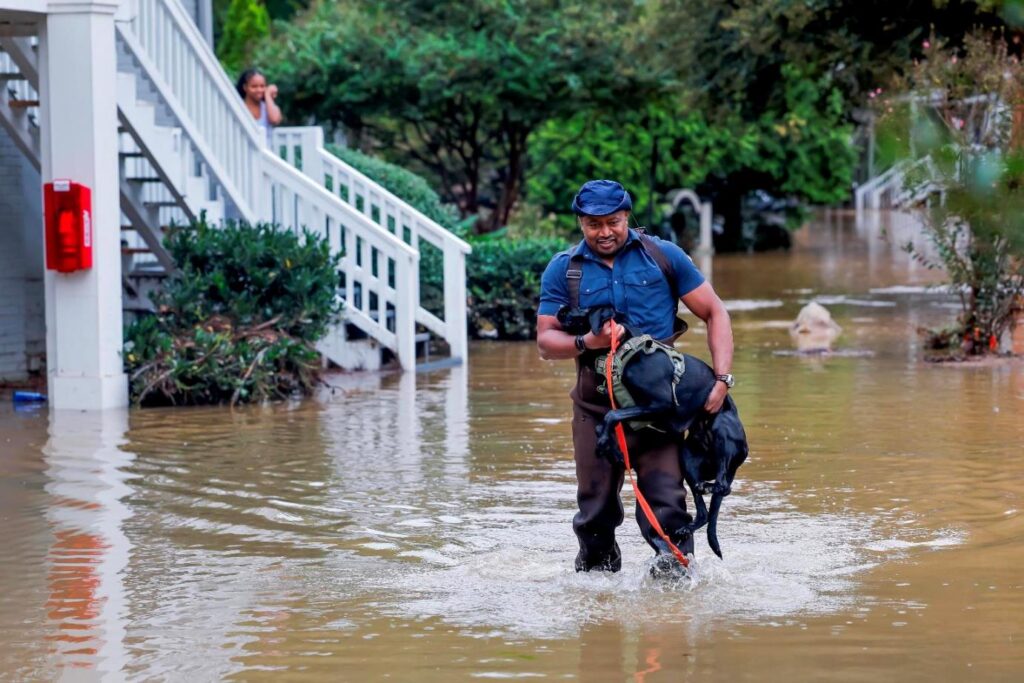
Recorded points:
716,505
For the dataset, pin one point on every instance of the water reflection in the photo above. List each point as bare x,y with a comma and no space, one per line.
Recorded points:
418,525
87,606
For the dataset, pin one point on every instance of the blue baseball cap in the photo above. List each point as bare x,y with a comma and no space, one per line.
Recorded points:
600,198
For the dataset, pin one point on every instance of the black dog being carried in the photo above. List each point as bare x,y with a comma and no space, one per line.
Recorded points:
663,389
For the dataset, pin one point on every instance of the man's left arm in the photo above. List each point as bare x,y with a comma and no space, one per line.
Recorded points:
705,304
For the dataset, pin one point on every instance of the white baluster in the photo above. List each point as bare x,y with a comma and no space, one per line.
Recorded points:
455,300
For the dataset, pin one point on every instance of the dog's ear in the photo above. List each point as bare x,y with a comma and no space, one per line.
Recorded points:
599,316
573,320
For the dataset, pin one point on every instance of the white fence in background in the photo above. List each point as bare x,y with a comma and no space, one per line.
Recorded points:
380,235
903,185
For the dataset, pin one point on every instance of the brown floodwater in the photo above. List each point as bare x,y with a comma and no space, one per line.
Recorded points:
417,527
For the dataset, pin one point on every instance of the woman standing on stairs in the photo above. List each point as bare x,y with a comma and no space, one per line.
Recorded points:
259,100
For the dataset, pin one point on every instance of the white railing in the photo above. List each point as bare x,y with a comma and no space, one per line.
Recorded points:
20,123
892,188
868,195
920,180
174,56
380,235
381,287
303,148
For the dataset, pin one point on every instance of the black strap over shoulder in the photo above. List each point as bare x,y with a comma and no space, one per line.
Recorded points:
654,251
574,274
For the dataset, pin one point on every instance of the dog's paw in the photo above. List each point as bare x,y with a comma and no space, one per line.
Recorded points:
719,487
606,447
708,488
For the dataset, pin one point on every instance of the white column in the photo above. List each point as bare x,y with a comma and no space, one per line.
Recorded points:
78,104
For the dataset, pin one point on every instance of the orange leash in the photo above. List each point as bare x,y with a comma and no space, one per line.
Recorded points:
620,436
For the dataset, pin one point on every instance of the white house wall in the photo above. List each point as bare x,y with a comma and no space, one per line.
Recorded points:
37,6
22,310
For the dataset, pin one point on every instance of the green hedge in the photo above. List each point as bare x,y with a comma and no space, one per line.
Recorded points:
503,280
238,322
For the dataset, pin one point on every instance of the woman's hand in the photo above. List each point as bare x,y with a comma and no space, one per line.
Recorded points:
271,92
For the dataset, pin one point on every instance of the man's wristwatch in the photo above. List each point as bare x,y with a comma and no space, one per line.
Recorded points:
728,379
581,345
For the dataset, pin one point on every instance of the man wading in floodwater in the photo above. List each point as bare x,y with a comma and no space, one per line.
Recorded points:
642,278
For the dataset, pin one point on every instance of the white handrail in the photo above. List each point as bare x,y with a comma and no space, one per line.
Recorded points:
380,282
380,269
170,49
871,187
894,182
909,195
303,148
311,138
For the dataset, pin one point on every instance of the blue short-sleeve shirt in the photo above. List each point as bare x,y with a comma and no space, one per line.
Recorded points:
634,285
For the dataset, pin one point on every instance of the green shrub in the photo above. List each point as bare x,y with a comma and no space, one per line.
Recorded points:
977,233
238,322
503,280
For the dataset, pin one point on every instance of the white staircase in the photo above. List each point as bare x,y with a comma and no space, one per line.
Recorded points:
904,185
189,147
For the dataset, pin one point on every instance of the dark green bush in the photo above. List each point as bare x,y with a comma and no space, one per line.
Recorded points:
503,280
238,322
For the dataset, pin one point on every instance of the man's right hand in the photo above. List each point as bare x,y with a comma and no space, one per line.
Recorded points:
603,340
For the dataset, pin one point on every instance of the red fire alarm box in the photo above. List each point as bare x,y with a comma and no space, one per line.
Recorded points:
68,214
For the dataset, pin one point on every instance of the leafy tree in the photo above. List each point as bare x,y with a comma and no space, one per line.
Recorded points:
735,52
457,88
276,9
799,147
245,23
784,79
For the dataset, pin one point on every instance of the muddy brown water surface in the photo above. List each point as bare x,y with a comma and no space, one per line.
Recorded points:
417,527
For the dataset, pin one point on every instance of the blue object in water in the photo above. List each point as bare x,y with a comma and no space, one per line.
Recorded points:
29,397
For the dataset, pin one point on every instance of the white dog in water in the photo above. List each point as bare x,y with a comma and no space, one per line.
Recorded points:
814,331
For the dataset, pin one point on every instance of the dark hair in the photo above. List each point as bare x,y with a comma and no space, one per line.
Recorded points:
243,80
